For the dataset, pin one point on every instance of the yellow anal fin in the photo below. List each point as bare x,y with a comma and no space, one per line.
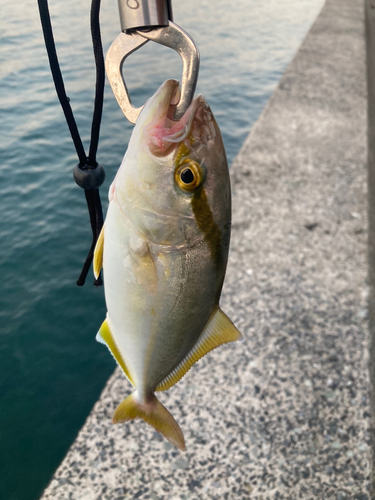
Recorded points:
155,414
98,254
219,330
104,336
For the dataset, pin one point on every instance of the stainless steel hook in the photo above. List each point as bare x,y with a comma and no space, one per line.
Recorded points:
171,36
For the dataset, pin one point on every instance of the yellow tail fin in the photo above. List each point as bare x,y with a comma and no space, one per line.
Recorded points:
155,414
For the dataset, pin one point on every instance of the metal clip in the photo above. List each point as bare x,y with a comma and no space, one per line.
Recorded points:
171,36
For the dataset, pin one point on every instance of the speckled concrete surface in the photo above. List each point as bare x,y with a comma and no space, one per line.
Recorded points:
283,415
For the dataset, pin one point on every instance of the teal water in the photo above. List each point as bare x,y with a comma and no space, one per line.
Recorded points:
51,368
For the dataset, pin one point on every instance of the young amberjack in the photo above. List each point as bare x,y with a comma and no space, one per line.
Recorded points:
164,249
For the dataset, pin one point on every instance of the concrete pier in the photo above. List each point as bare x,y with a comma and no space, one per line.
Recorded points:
284,415
370,52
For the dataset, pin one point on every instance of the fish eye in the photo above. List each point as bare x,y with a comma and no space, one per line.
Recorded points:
188,175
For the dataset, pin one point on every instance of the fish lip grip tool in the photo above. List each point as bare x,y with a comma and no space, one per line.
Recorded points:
142,21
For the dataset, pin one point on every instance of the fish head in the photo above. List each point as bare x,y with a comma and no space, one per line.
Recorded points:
174,182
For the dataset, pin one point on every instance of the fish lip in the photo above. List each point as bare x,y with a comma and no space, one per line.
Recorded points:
180,129
164,97
163,132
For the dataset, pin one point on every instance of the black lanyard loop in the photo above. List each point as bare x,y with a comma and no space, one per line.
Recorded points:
88,173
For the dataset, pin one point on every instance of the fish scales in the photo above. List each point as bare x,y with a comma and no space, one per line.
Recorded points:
164,249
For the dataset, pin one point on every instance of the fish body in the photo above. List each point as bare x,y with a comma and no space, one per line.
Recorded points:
164,249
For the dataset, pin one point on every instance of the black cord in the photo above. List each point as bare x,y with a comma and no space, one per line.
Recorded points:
58,80
96,219
88,173
100,79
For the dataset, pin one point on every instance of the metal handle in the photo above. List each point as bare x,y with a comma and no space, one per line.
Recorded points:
171,36
121,48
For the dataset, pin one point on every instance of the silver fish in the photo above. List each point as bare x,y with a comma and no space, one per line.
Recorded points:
164,249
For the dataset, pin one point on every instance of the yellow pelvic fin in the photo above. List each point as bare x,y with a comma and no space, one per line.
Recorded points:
155,414
98,254
104,336
219,330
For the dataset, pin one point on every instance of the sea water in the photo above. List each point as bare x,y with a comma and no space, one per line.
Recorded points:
51,368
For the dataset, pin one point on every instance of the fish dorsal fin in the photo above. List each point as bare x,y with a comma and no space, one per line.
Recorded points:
219,330
98,254
104,336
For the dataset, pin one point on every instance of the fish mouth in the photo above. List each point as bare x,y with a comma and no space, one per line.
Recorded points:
163,133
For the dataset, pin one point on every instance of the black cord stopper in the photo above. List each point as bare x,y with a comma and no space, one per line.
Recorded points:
88,177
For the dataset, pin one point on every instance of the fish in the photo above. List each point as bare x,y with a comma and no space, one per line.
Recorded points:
164,250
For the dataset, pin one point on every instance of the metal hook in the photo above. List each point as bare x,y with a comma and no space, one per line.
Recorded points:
171,36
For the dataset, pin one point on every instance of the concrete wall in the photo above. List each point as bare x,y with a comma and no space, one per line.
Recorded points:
370,46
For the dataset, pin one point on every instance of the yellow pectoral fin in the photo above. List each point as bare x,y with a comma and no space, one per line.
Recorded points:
219,330
155,414
104,336
144,269
98,254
